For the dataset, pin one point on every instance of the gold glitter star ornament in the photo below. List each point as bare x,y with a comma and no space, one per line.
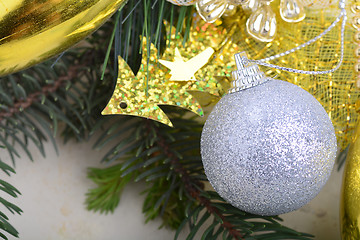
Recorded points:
204,38
184,71
141,95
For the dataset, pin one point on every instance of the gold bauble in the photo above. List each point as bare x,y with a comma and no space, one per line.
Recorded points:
32,30
350,199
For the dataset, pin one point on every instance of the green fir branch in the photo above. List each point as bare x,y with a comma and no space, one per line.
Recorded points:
145,18
106,198
40,102
23,120
173,170
34,102
11,191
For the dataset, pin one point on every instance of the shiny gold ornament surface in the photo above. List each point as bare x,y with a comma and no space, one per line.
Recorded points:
33,30
350,197
292,10
261,24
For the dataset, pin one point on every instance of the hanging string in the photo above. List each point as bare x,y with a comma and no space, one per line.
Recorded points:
343,24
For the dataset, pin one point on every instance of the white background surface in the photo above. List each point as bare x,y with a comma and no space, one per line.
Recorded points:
53,194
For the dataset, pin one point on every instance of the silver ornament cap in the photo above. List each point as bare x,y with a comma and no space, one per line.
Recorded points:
247,74
269,146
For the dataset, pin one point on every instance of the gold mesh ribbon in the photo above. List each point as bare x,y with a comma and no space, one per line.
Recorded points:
337,92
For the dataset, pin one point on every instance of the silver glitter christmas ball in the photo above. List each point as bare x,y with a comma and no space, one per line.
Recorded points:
268,149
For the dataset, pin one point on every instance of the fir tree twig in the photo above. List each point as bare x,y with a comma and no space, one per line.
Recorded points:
189,184
45,91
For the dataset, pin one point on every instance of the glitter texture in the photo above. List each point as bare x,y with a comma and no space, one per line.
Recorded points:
161,82
147,90
184,70
268,149
201,37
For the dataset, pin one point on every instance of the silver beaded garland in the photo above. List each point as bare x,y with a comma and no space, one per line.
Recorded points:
267,149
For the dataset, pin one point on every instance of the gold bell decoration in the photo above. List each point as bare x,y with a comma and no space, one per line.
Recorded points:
32,31
261,24
350,198
291,10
